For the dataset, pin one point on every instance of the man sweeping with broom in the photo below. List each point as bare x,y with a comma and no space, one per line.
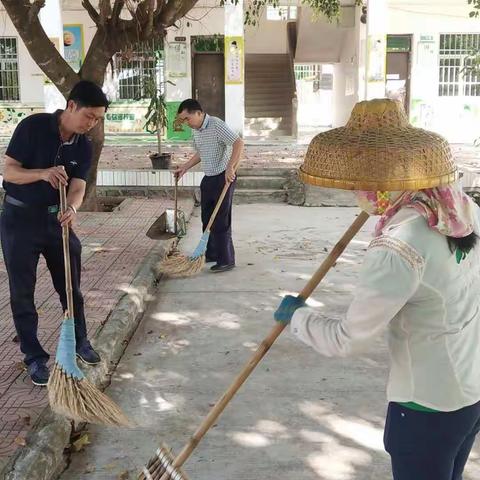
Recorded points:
218,149
46,151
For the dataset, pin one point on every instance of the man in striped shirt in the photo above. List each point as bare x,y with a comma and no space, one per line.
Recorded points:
218,149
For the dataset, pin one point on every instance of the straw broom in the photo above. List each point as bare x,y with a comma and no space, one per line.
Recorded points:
163,466
69,392
179,265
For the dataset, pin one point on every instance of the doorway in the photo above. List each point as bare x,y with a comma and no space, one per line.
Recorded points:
397,85
208,82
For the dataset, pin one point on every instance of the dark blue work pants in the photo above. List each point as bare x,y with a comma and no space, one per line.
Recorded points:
220,245
429,445
25,234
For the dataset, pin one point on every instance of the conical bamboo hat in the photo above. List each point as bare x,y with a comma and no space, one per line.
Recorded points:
378,150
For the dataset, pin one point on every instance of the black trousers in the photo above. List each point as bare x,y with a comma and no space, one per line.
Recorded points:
25,235
220,245
430,445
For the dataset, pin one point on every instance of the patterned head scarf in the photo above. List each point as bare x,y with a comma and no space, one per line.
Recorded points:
447,209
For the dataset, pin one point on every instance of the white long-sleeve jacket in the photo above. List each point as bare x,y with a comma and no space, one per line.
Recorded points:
411,284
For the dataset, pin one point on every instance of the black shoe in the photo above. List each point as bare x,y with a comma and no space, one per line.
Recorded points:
222,268
209,260
87,354
39,372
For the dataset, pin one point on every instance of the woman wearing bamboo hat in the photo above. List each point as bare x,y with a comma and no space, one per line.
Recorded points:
420,280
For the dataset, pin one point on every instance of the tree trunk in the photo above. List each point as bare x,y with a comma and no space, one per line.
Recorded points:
97,136
93,69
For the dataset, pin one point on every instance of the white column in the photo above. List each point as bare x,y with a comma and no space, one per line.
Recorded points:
51,20
234,92
376,49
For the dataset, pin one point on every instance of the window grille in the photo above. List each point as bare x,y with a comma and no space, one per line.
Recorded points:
132,67
456,54
9,83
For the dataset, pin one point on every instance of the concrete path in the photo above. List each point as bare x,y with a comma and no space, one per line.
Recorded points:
299,415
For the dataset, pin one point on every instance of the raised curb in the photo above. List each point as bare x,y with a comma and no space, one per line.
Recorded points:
43,456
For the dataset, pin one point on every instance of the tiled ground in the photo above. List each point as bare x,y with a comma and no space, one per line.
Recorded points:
114,245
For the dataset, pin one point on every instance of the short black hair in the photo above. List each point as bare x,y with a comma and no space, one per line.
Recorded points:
190,105
88,94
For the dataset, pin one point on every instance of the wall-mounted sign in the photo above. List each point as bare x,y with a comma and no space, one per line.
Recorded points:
180,39
177,60
73,45
427,38
234,60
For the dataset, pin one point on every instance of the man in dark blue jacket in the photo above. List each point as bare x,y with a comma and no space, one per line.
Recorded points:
47,150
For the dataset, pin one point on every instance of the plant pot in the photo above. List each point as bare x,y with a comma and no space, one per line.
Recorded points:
161,161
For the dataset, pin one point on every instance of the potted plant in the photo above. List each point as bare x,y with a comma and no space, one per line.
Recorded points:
156,118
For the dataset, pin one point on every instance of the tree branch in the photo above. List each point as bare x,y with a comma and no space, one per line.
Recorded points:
117,10
91,12
174,10
150,12
160,4
105,11
35,8
131,8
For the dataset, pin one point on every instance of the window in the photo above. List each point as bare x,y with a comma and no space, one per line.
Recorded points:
9,85
320,74
307,71
132,67
281,13
455,55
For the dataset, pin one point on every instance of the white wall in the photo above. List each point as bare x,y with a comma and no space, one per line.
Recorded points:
211,21
346,81
269,36
457,118
319,40
31,77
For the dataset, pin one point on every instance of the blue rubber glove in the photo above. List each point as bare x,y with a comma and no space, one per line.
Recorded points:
285,311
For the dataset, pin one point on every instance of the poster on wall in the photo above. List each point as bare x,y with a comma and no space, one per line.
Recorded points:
73,45
377,55
177,59
427,52
234,60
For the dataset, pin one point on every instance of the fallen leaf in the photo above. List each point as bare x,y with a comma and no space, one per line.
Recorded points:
137,354
149,332
81,442
20,441
26,419
123,476
20,366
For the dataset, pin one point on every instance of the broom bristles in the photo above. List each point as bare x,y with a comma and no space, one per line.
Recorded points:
81,401
178,265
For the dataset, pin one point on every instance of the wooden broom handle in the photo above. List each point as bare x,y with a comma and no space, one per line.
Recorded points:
175,211
219,204
66,253
267,343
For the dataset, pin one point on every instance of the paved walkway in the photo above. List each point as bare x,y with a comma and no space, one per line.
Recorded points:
299,415
114,246
271,154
